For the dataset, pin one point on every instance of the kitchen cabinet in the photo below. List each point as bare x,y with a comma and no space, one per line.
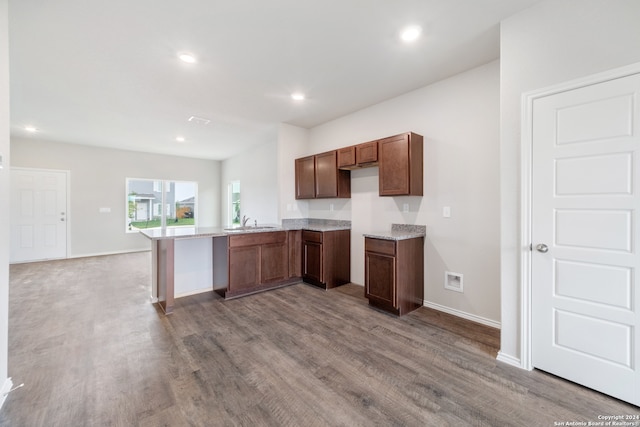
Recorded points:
274,266
305,178
347,157
326,259
257,261
367,154
328,175
319,177
394,274
358,156
401,165
294,244
244,268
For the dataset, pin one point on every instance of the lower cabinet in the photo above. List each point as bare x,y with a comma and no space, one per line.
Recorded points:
273,262
326,258
394,274
244,268
262,261
294,239
257,261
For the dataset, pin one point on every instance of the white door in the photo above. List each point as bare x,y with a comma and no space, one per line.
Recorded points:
585,232
142,213
38,215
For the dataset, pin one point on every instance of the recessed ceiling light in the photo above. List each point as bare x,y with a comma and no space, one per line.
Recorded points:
30,128
187,57
180,139
411,33
297,96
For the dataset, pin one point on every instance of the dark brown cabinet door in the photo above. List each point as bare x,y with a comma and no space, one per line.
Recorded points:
305,178
244,267
394,166
347,157
326,175
367,153
312,262
294,238
400,160
274,265
380,277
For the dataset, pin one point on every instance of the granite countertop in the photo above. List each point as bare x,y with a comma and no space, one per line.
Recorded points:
399,232
318,227
198,232
195,232
313,224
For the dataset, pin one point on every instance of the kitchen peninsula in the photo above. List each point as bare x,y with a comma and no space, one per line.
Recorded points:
245,260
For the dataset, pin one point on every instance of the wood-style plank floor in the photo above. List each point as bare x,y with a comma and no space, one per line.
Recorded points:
92,351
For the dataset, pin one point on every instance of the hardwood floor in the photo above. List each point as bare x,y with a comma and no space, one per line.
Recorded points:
92,351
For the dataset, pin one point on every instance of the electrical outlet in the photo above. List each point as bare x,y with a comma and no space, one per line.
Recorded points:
405,208
446,212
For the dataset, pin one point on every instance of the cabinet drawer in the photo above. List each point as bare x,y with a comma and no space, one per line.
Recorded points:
312,236
252,239
381,246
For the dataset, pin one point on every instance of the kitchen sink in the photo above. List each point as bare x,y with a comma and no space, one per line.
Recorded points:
250,228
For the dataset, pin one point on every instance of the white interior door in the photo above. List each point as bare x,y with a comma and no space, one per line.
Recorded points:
585,230
38,215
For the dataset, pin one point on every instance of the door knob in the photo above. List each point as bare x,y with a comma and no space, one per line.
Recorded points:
541,247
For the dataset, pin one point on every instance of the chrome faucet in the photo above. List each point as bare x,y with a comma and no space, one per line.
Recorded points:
244,220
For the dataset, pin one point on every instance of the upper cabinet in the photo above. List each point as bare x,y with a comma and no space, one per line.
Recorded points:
358,156
367,154
305,178
319,177
328,174
347,157
400,161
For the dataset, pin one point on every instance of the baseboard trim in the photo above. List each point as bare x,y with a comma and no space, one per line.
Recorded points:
6,387
510,360
463,314
129,251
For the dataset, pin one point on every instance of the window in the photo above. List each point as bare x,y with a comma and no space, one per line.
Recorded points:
146,197
234,202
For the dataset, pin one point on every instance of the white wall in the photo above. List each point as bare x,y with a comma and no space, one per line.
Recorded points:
552,42
98,178
4,193
293,142
458,118
256,170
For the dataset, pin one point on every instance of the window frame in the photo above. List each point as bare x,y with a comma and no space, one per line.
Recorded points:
163,205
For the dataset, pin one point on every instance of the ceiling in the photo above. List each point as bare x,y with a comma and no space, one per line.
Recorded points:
107,73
